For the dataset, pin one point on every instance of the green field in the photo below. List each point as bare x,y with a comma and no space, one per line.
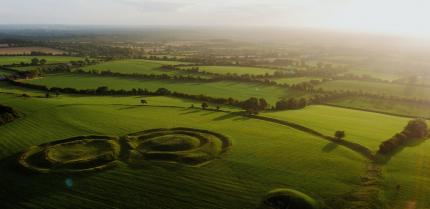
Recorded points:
6,60
400,90
365,128
5,72
257,163
387,76
381,105
138,66
236,70
223,89
27,68
295,80
410,169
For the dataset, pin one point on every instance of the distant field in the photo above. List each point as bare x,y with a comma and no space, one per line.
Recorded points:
28,50
224,89
366,128
7,60
402,90
258,162
236,69
388,76
295,80
381,105
138,66
4,72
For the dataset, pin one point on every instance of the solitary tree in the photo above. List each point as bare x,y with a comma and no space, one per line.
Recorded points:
35,61
42,61
204,105
339,134
143,101
217,108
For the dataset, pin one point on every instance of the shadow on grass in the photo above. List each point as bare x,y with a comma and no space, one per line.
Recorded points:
234,115
190,111
19,185
329,147
384,158
131,107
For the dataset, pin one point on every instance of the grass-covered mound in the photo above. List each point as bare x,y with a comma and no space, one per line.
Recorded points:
77,154
180,145
7,114
288,199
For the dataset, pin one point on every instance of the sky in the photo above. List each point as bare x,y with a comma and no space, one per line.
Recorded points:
404,17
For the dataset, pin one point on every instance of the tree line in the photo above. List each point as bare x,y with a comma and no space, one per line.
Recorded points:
414,131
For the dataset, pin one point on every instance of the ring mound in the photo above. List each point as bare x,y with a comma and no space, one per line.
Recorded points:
77,154
288,199
177,145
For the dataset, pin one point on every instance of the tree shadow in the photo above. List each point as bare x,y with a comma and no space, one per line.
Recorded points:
233,115
190,111
226,117
130,107
208,113
329,147
20,185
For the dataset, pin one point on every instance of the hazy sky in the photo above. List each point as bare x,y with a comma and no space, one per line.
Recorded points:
409,17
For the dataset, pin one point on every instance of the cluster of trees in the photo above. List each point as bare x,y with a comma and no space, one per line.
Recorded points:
7,114
415,130
36,61
254,105
291,104
45,69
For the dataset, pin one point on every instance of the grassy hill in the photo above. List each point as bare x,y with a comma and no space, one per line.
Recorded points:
257,163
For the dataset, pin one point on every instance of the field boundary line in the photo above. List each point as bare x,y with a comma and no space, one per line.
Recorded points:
374,111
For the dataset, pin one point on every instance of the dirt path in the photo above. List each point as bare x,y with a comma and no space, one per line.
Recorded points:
367,195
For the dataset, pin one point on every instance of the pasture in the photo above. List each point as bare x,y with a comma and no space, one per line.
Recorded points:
410,169
295,80
28,50
257,162
239,70
223,89
8,60
138,66
5,72
401,90
386,76
381,105
366,128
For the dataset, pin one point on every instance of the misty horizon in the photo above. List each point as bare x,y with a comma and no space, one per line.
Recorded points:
400,17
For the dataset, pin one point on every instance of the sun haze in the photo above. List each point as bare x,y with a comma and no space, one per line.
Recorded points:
405,17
